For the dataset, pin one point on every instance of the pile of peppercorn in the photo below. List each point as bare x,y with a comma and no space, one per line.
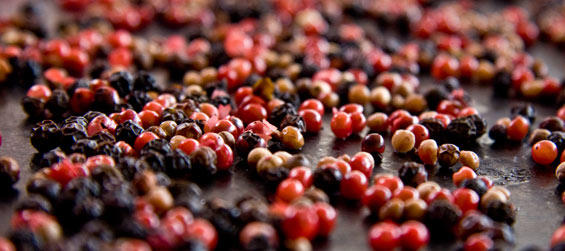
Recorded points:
121,154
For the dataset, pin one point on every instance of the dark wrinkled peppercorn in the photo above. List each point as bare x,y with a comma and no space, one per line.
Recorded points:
559,139
157,131
35,202
280,112
33,107
24,239
45,187
476,184
552,124
497,132
440,218
253,209
49,158
203,162
128,132
526,110
434,96
461,130
435,128
88,209
58,103
45,136
130,227
294,120
154,160
502,82
501,212
129,166
144,81
89,116
192,245
225,218
75,119
274,176
189,130
473,223
103,137
327,179
413,174
108,177
117,205
177,164
71,133
138,99
480,124
122,81
161,146
247,141
87,147
174,114
220,100
447,155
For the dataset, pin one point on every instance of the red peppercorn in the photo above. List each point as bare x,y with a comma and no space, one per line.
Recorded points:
120,57
289,190
147,219
420,132
327,218
39,91
120,38
241,93
212,140
225,125
414,235
6,245
189,145
358,122
149,118
478,242
300,221
353,185
384,236
203,231
406,193
312,119
351,108
445,66
101,123
443,194
544,152
224,157
143,139
463,174
466,199
313,104
99,160
521,75
362,164
376,196
76,61
302,174
393,183
252,112
341,125
65,171
469,66
126,148
209,109
81,100
518,128
342,166
403,122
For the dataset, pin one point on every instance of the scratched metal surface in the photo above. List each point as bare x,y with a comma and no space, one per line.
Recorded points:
540,210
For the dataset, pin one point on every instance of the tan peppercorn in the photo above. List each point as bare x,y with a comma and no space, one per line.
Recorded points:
49,231
414,209
176,141
160,198
292,138
533,88
491,196
325,161
485,70
427,151
501,189
538,135
377,122
145,181
403,141
189,130
405,89
319,88
392,210
397,101
415,103
359,94
330,100
560,172
300,244
380,97
316,195
169,127
470,159
209,74
257,154
285,156
428,114
284,85
269,162
427,188
192,78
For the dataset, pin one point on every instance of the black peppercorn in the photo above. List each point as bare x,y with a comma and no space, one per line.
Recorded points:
35,202
103,137
174,114
161,146
500,211
247,141
129,166
274,176
24,239
435,128
471,223
49,158
327,179
88,209
552,124
33,107
526,110
177,164
434,96
138,99
90,115
154,160
497,132
559,139
447,155
71,133
122,81
144,81
476,184
502,82
128,132
75,119
45,187
280,112
45,136
108,177
87,147
440,218
461,130
413,174
294,120
117,205
203,162
130,227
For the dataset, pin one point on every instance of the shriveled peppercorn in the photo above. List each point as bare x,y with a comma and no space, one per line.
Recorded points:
280,112
144,81
138,99
247,141
440,218
328,179
461,130
295,121
448,155
158,145
122,81
558,138
413,174
58,103
435,128
128,132
203,162
45,187
45,136
174,114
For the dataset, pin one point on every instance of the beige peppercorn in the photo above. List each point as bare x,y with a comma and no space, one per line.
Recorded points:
392,210
269,162
403,141
414,209
377,122
160,198
176,141
428,188
380,97
470,159
257,154
359,94
538,135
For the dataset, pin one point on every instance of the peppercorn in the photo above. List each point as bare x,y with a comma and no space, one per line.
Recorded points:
461,130
144,81
161,146
58,103
414,209
403,141
373,143
33,107
106,99
203,161
560,172
247,141
473,222
558,138
502,82
440,218
475,184
526,110
501,212
138,99
435,128
295,121
448,155
412,173
538,135
497,132
328,179
45,136
292,138
434,96
45,187
297,160
392,210
470,159
189,130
